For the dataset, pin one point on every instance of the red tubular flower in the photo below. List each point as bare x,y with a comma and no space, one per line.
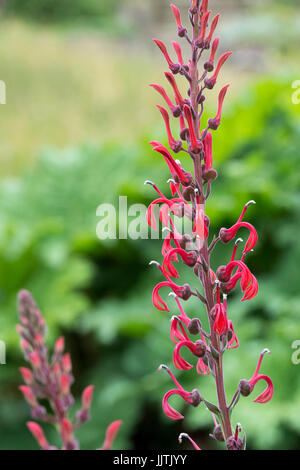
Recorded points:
28,395
227,235
189,258
111,433
166,247
184,177
207,147
177,332
184,292
173,84
178,51
198,349
212,28
192,398
163,93
204,22
221,322
173,67
204,7
267,394
177,16
87,396
176,146
233,343
59,345
38,434
210,82
249,283
188,115
214,49
27,375
214,123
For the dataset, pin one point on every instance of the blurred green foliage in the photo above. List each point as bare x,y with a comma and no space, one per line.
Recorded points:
66,10
99,293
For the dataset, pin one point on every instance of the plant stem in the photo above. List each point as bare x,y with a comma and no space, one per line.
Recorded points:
208,287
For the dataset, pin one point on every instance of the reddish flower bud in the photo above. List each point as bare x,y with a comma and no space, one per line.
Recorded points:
35,359
27,375
28,395
87,396
67,363
214,123
59,345
111,433
181,29
38,434
65,384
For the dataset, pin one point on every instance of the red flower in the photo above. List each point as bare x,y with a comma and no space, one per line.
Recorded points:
233,343
216,121
178,51
210,82
194,143
173,67
207,147
38,433
212,29
177,16
110,435
192,398
172,81
198,349
163,93
249,283
190,258
176,146
227,235
184,177
267,394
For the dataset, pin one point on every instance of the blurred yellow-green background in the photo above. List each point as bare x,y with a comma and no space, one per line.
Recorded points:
74,134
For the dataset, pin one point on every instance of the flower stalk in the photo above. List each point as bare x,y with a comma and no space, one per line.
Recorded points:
49,380
190,193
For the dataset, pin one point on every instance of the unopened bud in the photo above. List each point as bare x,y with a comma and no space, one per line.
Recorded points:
234,444
218,433
200,348
245,388
194,326
222,275
210,175
186,292
209,66
196,397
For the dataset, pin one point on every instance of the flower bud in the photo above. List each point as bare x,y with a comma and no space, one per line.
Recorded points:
200,348
184,132
184,241
218,433
197,269
234,444
176,112
196,397
245,388
221,274
188,192
194,326
186,292
209,66
210,175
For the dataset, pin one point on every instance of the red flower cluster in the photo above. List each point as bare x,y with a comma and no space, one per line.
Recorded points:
50,380
189,194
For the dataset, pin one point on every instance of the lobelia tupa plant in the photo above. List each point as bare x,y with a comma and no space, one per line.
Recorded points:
189,194
50,380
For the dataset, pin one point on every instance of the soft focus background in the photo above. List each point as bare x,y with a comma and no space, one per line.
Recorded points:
73,134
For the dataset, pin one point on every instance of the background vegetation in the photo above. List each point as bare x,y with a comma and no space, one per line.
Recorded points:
74,134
